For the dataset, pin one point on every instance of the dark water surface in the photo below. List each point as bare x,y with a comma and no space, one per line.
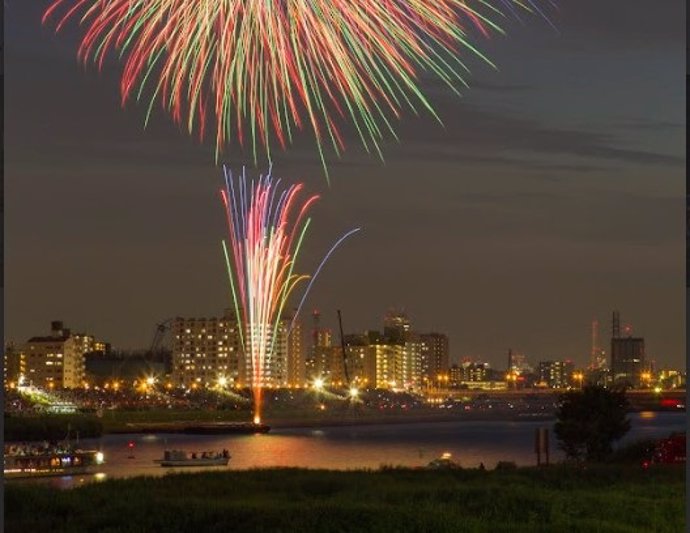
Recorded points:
469,442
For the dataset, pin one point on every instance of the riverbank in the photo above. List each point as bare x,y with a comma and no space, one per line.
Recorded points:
559,498
300,422
51,427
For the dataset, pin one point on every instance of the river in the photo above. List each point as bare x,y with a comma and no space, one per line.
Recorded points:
352,447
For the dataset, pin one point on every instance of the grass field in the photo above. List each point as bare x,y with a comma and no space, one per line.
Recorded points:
556,499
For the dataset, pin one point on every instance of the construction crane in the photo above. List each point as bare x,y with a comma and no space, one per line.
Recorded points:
342,345
156,342
148,356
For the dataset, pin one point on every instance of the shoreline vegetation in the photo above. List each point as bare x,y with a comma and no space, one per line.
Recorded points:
557,498
51,427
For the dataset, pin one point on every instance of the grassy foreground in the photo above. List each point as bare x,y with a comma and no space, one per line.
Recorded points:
603,499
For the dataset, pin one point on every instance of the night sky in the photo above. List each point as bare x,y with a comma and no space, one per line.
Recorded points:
554,194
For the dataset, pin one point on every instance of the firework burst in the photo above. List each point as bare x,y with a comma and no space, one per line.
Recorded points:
267,226
251,70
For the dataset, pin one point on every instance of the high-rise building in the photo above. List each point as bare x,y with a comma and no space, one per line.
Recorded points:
476,376
14,365
208,350
518,363
371,360
556,374
435,358
456,376
396,326
57,360
475,372
627,356
296,361
398,358
318,361
398,366
361,365
385,356
627,361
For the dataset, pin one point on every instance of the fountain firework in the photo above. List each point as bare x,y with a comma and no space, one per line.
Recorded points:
267,225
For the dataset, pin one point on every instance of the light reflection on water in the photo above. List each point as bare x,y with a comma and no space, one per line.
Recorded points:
469,442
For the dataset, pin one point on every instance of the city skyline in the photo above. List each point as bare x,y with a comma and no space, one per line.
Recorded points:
553,195
312,333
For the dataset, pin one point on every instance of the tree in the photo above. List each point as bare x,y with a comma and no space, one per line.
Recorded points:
590,420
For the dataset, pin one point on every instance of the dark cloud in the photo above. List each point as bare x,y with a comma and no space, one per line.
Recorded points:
469,129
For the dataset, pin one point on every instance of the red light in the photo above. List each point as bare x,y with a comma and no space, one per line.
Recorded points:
668,402
130,444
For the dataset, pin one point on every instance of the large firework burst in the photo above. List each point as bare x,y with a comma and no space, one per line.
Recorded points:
253,69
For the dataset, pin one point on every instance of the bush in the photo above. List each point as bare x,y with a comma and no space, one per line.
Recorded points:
590,420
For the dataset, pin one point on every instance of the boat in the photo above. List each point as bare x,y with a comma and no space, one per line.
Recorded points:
443,463
174,458
24,461
224,428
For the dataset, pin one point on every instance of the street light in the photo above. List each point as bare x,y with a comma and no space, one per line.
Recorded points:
354,392
318,384
646,378
579,376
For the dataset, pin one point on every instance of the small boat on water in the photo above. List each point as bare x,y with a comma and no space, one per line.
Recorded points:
174,458
25,461
443,463
225,428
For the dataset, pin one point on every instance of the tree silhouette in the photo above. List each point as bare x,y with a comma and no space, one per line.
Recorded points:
590,420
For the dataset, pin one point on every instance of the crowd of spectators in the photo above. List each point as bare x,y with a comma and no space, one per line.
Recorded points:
158,397
33,449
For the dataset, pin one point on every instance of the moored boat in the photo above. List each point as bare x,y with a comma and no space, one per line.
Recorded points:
443,463
23,461
174,458
225,428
